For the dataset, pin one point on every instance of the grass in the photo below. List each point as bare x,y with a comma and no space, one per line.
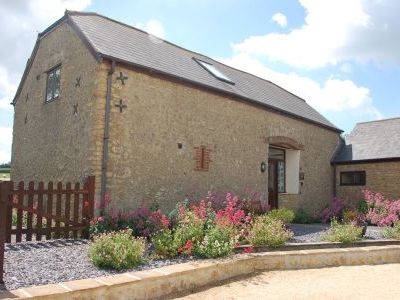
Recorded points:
4,174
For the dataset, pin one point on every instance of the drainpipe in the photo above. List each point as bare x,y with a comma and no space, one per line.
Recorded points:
334,180
106,136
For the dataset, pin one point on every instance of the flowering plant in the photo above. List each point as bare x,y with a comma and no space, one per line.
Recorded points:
381,210
334,210
143,221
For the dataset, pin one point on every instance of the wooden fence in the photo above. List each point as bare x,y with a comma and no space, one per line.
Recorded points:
32,213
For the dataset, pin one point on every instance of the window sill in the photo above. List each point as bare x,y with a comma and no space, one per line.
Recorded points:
52,100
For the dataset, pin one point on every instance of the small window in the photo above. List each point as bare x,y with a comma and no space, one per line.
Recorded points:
214,71
352,178
53,83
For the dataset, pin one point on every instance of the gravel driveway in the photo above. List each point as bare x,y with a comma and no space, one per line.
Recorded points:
313,232
38,263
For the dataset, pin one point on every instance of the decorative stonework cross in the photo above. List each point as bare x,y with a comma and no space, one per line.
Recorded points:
121,106
78,81
27,97
122,78
75,107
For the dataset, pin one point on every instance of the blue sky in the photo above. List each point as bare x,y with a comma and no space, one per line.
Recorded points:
342,56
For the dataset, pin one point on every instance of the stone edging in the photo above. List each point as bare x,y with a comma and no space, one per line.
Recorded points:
174,278
321,245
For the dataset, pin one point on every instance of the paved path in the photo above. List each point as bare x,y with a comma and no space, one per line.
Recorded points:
349,282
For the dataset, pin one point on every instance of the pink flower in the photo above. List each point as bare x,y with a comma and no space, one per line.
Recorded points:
100,219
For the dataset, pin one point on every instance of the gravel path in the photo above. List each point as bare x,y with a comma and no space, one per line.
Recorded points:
38,263
313,232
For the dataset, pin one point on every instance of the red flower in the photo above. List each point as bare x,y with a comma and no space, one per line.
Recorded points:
86,204
249,249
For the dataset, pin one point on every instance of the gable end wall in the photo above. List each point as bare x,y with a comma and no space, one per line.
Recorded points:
56,144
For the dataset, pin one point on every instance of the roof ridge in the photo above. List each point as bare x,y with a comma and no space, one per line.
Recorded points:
380,120
69,12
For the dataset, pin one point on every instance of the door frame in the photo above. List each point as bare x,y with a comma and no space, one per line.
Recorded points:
273,197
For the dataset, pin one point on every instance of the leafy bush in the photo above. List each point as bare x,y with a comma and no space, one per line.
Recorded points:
362,206
185,233
349,216
343,233
266,231
334,210
392,232
163,243
303,217
117,250
143,221
217,242
283,214
382,211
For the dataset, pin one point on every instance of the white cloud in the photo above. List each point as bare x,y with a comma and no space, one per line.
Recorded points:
7,89
279,19
154,27
333,95
21,21
5,143
334,31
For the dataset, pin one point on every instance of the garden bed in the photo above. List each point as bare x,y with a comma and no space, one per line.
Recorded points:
38,263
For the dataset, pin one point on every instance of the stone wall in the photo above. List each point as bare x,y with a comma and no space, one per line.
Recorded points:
146,162
383,177
153,142
50,141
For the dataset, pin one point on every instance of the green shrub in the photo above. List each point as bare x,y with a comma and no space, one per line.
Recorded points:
117,250
303,217
217,242
362,206
343,233
163,243
189,231
283,214
392,232
267,231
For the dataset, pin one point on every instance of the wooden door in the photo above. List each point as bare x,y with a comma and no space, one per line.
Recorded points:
272,184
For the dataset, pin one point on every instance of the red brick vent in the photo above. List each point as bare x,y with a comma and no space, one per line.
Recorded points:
202,158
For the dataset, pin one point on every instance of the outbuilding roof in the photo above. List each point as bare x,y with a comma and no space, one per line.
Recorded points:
370,141
110,39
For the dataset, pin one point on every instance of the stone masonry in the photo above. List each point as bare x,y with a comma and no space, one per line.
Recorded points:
381,177
152,150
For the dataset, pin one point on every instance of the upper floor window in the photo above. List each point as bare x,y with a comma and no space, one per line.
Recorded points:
352,178
53,83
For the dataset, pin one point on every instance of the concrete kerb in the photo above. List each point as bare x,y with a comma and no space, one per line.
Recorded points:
174,278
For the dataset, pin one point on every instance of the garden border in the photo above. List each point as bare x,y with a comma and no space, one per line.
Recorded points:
175,278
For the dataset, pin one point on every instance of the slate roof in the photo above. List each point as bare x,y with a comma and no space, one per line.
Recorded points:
376,140
111,39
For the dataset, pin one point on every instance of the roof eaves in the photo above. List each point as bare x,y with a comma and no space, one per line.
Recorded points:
363,161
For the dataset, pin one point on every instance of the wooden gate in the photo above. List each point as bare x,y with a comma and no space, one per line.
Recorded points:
32,213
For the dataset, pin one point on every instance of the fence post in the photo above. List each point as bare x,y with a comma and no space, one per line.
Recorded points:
88,210
4,192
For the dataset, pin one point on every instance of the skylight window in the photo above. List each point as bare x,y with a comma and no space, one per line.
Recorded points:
214,71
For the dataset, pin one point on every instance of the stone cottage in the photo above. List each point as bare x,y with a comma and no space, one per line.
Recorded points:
369,159
152,120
